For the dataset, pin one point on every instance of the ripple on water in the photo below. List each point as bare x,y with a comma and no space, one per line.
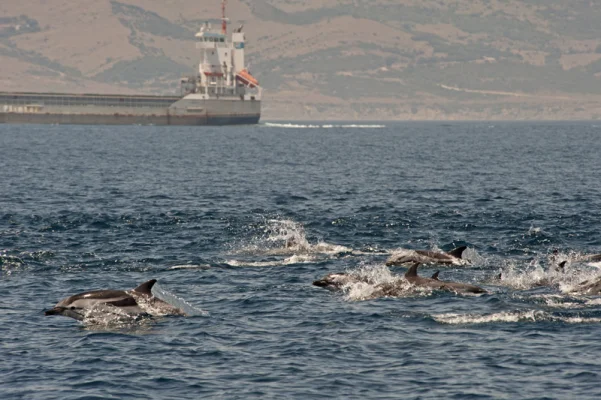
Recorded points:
237,222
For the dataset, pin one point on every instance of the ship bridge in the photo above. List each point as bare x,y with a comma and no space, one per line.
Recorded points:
209,37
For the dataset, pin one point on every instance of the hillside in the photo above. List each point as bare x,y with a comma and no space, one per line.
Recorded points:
345,59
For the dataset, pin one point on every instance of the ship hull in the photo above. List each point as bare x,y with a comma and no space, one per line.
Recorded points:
118,119
73,109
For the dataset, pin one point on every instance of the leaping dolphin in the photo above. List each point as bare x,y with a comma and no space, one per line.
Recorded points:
127,301
435,283
428,257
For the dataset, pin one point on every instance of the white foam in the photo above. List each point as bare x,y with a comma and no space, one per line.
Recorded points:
323,126
293,259
375,126
509,317
596,264
593,302
191,266
534,231
328,248
289,125
556,301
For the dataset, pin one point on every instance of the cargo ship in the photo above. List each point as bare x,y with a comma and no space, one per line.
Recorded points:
223,92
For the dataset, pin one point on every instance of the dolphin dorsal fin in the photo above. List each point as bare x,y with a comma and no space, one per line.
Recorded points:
435,275
562,266
457,252
412,271
146,287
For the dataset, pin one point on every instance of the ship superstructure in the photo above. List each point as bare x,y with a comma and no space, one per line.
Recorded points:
221,71
222,92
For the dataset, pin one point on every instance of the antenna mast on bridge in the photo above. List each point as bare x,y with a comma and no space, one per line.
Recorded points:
223,18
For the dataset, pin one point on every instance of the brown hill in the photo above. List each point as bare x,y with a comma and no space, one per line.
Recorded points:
346,59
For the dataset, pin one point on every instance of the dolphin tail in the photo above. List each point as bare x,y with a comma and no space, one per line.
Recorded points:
435,275
412,271
146,287
457,252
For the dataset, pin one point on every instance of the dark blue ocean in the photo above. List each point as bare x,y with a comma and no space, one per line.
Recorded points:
209,211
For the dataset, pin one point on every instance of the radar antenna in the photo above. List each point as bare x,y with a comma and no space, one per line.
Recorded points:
223,18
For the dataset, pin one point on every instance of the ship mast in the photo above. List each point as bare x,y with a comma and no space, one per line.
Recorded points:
223,18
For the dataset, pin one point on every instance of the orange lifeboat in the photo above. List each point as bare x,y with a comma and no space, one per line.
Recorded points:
247,79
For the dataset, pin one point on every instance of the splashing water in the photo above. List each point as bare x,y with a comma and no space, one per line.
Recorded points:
106,315
278,237
288,234
9,263
284,237
568,279
373,281
472,256
174,301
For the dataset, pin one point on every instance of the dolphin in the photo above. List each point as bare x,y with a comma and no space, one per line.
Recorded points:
589,287
593,258
127,301
590,258
336,281
436,284
428,257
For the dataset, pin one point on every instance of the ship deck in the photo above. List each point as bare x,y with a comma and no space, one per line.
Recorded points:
73,99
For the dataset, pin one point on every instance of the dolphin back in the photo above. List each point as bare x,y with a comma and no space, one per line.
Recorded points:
412,271
457,252
146,287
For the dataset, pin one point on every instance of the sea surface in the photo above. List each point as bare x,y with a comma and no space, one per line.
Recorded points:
236,223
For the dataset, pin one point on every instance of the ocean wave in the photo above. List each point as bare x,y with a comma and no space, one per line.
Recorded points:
191,266
294,259
511,317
